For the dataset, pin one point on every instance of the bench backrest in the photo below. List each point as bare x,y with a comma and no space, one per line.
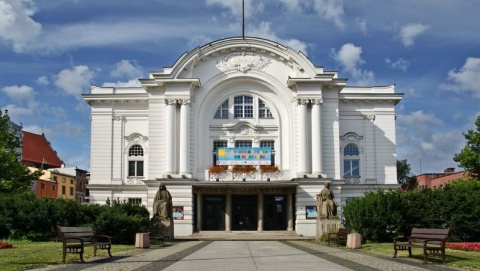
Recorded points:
78,232
344,231
418,235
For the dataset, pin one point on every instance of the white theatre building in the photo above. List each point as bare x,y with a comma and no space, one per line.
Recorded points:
241,93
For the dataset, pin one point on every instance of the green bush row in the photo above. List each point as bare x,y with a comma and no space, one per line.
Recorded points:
379,216
23,216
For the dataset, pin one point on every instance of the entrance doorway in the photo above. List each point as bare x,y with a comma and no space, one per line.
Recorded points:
213,213
274,213
244,212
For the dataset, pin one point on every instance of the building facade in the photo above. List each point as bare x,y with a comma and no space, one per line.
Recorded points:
439,180
246,93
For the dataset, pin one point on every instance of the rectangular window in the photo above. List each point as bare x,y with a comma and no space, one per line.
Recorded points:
218,144
139,168
43,186
53,187
269,144
55,178
64,190
71,191
351,168
71,181
136,201
243,144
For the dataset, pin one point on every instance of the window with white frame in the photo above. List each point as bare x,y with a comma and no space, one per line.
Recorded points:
269,144
218,144
243,107
135,201
135,161
243,144
222,111
263,111
351,161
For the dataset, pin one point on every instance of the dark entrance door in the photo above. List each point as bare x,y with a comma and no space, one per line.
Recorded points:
274,213
213,213
244,213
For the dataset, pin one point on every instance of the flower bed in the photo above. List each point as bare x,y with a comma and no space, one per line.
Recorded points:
464,246
5,245
243,169
269,168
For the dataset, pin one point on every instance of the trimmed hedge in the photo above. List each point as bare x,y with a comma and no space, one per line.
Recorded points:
379,216
23,216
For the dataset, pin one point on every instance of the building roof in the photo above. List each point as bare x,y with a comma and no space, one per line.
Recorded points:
37,150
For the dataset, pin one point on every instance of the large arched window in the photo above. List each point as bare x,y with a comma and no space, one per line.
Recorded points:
351,161
263,111
135,161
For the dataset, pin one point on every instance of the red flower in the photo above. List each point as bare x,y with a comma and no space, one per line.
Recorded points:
464,246
217,169
269,168
5,245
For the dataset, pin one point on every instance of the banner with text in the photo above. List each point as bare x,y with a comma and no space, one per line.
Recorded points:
244,156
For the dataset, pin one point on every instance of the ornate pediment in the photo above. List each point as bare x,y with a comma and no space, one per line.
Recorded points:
243,62
351,137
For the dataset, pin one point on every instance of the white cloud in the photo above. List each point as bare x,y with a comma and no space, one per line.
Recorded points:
293,5
331,10
70,129
128,69
411,92
400,64
49,133
43,81
130,83
235,6
19,93
75,80
361,24
410,31
16,25
422,140
264,31
466,79
17,113
349,57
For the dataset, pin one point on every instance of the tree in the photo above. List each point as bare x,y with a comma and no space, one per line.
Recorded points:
410,184
14,176
403,171
469,156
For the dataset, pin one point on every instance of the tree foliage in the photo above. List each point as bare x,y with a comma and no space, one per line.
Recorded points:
23,216
381,215
469,156
403,171
14,176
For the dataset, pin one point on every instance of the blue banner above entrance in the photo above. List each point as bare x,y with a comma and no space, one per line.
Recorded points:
244,156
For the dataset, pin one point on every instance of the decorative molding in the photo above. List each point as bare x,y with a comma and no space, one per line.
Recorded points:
302,101
118,118
136,138
243,62
369,117
135,181
316,101
351,137
184,102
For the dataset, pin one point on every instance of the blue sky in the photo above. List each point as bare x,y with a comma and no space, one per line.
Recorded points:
51,51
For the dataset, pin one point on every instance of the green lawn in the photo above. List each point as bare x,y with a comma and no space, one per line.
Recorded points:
27,255
454,258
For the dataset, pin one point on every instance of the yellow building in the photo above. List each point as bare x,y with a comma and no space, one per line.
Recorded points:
66,184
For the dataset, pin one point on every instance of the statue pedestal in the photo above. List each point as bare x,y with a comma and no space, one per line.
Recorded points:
325,225
354,240
168,228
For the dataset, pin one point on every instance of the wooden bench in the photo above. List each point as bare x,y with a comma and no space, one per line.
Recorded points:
75,239
339,237
155,237
431,240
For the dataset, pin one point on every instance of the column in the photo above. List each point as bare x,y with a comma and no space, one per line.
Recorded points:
302,137
170,136
260,212
317,167
185,137
289,212
228,212
199,211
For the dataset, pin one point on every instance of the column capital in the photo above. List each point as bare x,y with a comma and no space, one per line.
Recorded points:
184,101
302,101
316,101
170,101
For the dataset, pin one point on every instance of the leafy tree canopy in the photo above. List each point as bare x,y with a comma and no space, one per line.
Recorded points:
469,156
14,176
403,171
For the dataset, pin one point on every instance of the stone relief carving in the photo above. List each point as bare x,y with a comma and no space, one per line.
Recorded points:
118,118
243,62
170,101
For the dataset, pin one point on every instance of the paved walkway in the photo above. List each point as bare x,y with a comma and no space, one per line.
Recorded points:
246,256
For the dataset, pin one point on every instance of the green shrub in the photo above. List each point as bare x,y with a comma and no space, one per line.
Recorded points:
379,216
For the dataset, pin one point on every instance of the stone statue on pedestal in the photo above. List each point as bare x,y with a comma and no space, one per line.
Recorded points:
163,210
327,218
326,206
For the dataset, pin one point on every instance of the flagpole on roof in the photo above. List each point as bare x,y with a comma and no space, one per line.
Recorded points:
243,19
